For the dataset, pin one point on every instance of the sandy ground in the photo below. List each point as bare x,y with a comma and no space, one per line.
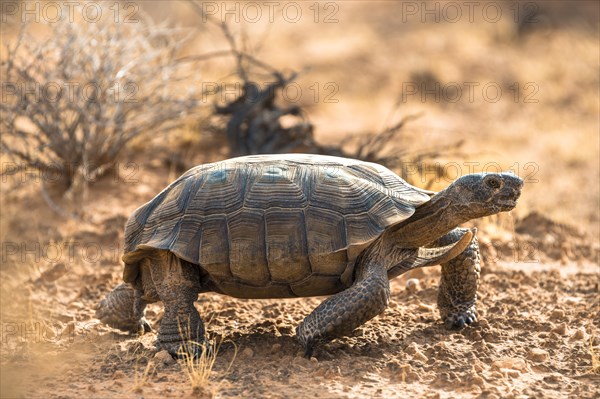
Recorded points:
538,333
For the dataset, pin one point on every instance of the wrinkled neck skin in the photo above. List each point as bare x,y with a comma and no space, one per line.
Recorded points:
430,221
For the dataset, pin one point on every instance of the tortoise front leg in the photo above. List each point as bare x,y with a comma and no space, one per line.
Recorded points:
341,313
458,286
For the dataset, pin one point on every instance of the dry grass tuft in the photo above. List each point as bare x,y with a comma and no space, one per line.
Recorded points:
199,369
141,380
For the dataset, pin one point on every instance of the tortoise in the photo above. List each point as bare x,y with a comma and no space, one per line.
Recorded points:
300,225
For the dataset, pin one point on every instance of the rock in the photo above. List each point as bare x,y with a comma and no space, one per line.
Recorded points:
420,356
513,363
275,348
479,381
76,305
562,329
411,348
513,373
413,285
314,360
557,314
571,300
483,323
247,353
538,355
579,334
423,307
553,378
164,357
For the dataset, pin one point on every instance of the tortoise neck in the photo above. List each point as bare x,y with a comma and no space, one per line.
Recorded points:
430,221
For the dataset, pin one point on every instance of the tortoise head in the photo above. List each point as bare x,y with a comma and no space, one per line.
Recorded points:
484,194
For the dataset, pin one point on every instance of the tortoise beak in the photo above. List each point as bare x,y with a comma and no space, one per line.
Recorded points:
510,192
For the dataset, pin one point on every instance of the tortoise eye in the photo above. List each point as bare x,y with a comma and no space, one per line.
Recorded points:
493,183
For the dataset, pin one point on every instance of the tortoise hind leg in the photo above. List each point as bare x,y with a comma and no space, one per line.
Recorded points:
177,284
459,282
341,313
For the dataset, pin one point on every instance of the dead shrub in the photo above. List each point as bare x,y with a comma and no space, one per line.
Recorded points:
71,103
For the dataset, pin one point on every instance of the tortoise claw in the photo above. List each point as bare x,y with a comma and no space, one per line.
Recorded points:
459,320
145,326
308,350
188,350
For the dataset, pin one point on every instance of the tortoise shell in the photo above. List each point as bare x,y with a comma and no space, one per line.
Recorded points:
272,225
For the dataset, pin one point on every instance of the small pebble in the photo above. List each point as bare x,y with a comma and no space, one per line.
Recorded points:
247,352
571,300
420,356
479,381
275,348
513,363
579,334
557,314
76,305
314,360
513,373
416,353
553,378
413,285
561,329
423,307
538,355
484,323
164,357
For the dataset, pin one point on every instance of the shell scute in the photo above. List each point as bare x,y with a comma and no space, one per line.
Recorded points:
286,245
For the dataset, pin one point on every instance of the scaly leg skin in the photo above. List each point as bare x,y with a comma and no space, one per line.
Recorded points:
458,286
341,313
177,284
124,308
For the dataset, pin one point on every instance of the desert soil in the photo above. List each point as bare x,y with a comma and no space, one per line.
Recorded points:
538,333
